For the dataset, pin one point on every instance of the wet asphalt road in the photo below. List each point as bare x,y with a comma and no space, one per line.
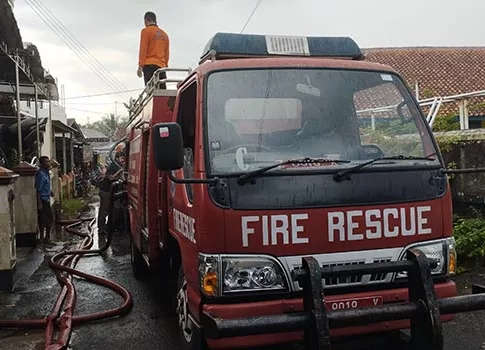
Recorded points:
149,326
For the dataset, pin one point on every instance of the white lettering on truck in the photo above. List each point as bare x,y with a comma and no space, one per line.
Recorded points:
345,226
275,228
184,224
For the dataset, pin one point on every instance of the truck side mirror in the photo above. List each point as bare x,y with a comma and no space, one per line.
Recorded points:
168,146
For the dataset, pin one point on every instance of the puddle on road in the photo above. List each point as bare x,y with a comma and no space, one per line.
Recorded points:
23,340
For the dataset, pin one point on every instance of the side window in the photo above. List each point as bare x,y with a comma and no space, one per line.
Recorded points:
386,121
186,119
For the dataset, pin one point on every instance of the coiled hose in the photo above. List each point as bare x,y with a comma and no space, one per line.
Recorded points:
63,264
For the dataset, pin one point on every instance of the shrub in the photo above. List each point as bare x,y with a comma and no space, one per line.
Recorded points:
71,207
470,240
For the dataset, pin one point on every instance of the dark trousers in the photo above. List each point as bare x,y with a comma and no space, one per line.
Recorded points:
103,213
45,218
148,72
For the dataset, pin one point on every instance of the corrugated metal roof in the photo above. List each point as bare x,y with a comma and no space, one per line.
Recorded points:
93,134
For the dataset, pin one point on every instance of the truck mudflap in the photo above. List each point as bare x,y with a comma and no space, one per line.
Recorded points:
423,308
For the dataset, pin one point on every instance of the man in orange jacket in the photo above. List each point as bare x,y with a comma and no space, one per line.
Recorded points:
154,49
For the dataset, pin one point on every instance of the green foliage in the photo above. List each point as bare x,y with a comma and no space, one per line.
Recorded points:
395,137
426,93
71,207
446,123
446,143
451,165
108,124
477,108
470,240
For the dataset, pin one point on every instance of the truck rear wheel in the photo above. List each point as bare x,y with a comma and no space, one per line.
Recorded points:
138,264
190,334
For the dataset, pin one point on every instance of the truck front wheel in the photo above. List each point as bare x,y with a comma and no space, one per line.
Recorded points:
190,334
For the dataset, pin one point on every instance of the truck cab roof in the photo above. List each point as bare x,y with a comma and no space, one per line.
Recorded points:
299,62
229,50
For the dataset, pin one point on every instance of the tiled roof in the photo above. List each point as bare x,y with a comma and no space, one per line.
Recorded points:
440,71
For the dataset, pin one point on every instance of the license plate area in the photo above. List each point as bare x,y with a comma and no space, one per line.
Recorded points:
353,303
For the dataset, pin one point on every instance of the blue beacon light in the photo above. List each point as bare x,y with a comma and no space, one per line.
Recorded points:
230,45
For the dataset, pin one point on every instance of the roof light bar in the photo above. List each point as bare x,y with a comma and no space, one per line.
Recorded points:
229,45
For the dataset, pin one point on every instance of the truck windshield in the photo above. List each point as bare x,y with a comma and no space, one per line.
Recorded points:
257,117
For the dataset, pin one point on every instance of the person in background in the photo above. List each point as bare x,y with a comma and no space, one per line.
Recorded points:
44,192
154,50
113,172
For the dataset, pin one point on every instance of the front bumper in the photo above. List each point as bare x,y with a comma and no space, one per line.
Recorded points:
240,317
422,307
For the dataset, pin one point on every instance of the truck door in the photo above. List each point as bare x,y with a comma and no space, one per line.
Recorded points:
182,199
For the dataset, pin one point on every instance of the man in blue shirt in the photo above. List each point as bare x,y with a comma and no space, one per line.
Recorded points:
44,192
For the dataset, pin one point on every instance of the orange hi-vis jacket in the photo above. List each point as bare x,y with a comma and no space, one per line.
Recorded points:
154,47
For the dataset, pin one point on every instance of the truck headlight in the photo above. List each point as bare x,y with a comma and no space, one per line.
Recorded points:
209,274
231,274
252,274
442,251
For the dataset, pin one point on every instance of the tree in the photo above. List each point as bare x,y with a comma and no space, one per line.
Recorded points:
108,124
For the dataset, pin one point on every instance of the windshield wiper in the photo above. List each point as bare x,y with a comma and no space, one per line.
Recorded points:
341,175
252,174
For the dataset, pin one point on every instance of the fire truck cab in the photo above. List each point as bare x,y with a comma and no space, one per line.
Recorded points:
273,149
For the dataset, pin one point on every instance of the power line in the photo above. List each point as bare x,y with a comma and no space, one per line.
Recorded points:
55,28
102,94
88,111
251,16
88,54
59,29
91,103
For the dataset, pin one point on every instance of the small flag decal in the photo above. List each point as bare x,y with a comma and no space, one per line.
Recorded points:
164,132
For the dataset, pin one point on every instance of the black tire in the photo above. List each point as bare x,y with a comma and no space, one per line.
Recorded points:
191,337
138,264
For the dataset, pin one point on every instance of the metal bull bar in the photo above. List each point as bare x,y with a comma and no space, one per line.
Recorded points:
423,309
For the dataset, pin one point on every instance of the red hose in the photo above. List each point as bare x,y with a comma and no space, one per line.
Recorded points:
63,264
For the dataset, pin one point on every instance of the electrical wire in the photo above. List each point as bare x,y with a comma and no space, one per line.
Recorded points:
87,111
90,103
71,37
74,44
101,94
251,16
84,55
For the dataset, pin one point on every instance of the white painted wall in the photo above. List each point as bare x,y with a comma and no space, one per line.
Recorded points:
58,112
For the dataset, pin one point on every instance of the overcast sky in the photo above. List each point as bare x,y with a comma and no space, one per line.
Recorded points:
110,31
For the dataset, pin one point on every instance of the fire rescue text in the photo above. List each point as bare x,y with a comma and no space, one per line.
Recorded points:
354,225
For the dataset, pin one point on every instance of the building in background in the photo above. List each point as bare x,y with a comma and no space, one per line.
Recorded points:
439,72
100,143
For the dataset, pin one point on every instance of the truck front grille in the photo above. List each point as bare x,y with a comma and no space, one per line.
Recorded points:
356,279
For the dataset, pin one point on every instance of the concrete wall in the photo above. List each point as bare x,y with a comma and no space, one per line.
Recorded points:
465,149
25,205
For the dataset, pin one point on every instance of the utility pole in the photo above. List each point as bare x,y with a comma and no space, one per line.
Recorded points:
19,120
37,129
116,109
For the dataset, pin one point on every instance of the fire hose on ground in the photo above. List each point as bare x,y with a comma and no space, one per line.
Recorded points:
62,316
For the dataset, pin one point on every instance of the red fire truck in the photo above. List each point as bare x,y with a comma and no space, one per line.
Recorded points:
279,163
